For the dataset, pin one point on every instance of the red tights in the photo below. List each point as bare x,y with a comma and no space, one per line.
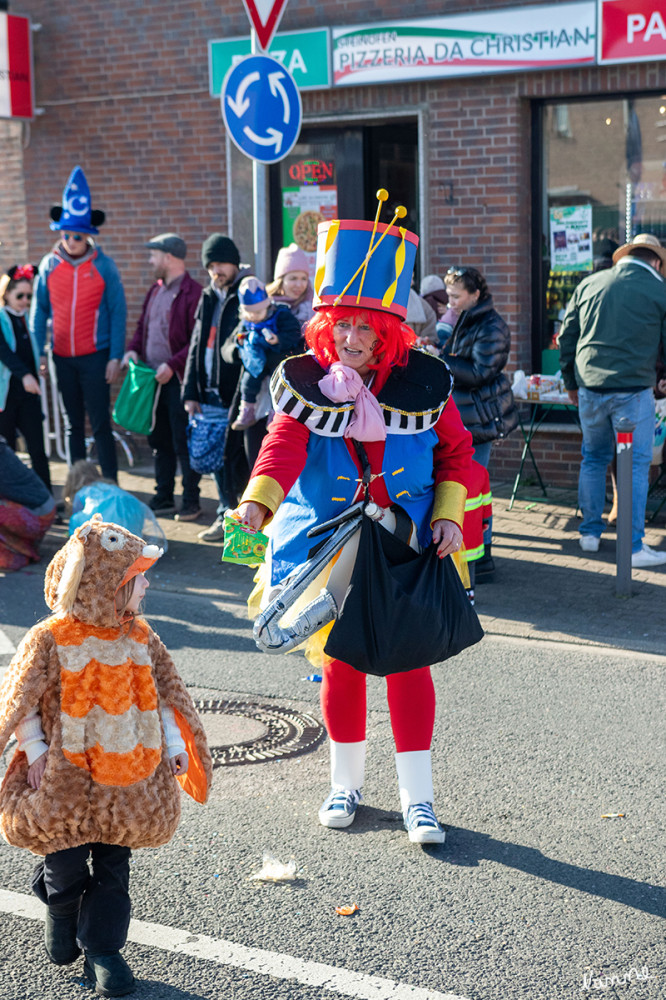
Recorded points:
411,702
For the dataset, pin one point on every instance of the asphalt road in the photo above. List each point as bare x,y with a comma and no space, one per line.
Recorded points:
534,895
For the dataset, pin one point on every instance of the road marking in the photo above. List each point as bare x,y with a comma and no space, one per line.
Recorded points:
265,963
6,646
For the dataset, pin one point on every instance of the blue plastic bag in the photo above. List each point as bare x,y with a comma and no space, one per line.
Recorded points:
119,507
206,437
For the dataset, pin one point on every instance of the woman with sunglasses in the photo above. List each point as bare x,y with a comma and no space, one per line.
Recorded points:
20,395
477,353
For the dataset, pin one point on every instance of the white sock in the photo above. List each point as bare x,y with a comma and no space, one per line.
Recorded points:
414,769
348,764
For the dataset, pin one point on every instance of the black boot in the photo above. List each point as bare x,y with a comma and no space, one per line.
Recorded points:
60,932
485,567
111,974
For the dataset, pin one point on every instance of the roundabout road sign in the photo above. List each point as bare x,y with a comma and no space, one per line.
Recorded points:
261,108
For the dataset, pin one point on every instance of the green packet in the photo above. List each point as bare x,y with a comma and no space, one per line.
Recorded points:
242,544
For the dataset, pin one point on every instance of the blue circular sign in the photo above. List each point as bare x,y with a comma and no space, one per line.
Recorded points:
261,108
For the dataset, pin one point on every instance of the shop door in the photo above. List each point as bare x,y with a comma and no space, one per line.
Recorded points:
334,173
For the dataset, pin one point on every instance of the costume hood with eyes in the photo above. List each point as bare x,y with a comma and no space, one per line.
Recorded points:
99,684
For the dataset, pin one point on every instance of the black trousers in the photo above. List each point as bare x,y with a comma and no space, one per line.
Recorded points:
103,888
168,439
23,412
84,389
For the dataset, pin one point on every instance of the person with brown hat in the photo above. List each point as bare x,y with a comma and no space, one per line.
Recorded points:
613,329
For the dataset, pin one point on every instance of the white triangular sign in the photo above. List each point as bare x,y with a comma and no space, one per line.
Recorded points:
265,16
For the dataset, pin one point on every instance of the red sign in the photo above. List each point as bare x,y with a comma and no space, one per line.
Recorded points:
265,16
631,30
16,86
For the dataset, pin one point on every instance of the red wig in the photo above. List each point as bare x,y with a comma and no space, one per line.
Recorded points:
394,337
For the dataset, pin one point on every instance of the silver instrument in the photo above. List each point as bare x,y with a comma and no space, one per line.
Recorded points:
272,637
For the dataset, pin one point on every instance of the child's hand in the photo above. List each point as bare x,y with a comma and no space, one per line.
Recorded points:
179,763
36,771
271,338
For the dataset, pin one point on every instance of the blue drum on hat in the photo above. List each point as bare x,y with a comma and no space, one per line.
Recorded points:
365,265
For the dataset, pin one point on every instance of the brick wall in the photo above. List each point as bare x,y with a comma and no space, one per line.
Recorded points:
557,454
124,87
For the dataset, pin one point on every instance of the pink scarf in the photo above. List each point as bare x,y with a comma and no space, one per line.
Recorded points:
342,385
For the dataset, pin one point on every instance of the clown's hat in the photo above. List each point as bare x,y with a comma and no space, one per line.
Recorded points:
365,264
75,212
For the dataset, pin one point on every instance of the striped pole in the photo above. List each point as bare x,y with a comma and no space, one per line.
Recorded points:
625,453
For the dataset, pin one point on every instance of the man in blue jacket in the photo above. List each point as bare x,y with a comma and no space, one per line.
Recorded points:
78,288
611,337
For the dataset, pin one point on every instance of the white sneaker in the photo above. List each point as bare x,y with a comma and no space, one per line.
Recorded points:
589,543
339,809
422,826
646,557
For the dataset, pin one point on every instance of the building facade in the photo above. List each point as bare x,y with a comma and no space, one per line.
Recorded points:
529,170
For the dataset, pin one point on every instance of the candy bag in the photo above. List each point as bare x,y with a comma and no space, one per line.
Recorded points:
242,544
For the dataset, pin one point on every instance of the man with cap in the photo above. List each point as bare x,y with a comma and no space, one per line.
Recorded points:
161,340
611,336
78,288
209,379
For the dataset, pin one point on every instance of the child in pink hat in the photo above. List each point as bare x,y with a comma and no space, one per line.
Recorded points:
291,282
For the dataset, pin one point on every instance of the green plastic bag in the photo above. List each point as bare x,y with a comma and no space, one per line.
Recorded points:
137,400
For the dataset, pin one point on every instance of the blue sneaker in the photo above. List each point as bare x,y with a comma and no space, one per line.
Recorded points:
340,807
422,826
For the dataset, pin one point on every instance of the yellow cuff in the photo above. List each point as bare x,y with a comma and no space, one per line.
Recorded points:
264,489
449,503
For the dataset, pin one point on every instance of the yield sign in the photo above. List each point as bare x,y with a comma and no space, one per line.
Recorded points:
265,16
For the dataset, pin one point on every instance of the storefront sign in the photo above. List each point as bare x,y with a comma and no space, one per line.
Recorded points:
16,78
571,238
304,54
631,30
512,40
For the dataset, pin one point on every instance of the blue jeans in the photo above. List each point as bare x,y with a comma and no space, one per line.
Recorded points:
599,413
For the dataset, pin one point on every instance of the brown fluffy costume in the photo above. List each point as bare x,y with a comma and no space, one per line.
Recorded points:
99,683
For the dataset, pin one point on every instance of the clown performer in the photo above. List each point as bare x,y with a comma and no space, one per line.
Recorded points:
362,412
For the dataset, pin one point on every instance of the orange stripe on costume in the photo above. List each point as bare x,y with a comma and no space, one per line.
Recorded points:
114,689
119,769
69,631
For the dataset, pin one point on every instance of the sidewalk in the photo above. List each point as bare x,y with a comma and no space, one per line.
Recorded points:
544,588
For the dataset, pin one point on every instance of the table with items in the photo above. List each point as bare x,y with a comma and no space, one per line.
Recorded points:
542,393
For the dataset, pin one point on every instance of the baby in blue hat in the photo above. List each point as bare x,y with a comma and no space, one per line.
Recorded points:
267,333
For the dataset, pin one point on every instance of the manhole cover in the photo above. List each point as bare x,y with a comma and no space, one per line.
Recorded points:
281,732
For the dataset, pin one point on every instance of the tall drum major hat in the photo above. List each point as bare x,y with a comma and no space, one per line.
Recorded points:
365,264
75,213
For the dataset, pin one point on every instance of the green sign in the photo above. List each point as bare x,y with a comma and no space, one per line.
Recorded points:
304,54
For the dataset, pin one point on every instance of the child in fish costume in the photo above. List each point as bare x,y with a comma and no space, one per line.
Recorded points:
106,730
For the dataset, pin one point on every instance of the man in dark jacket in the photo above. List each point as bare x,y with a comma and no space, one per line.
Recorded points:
161,340
209,379
613,329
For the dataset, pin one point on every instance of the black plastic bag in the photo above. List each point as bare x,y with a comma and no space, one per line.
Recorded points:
402,610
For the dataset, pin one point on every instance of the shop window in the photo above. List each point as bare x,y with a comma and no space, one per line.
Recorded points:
603,179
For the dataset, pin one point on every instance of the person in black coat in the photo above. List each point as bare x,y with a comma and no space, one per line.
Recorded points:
477,353
211,380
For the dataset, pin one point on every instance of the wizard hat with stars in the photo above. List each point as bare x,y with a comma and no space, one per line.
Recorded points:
365,264
75,213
